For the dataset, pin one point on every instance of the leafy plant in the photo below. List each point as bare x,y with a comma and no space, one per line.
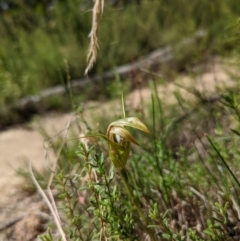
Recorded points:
154,194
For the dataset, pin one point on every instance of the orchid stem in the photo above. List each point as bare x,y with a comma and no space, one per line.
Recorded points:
123,106
123,174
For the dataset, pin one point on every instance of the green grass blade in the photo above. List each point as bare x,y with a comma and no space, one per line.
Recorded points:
223,161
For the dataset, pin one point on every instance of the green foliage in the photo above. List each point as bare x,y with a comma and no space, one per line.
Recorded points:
37,39
161,194
47,236
170,189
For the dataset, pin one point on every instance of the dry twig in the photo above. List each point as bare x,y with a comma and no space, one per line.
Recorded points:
50,206
54,171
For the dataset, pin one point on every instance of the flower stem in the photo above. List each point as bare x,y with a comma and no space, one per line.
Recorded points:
123,174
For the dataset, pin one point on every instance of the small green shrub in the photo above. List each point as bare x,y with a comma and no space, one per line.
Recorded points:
161,194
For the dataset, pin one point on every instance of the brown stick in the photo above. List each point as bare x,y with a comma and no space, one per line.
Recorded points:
157,56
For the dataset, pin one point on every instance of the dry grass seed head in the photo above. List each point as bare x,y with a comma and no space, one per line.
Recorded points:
92,52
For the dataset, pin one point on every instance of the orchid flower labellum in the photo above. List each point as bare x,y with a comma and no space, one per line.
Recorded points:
119,139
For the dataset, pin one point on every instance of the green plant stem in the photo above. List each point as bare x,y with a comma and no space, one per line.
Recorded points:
128,189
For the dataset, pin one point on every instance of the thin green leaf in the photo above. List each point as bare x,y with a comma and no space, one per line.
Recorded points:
235,132
223,161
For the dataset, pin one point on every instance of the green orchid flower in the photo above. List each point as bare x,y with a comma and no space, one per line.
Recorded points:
119,139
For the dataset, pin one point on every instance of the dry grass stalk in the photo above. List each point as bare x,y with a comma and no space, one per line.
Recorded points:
53,172
92,52
49,204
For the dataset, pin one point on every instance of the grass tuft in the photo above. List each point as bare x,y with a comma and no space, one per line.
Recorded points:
164,192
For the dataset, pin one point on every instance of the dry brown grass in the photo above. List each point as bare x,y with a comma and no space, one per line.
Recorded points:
92,52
